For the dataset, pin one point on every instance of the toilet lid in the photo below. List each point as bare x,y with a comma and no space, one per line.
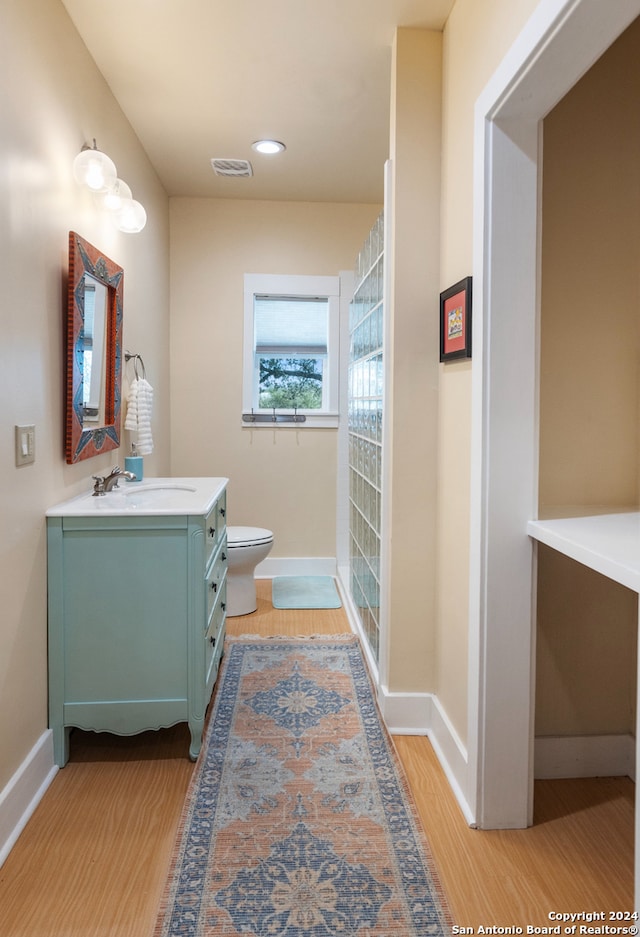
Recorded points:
248,536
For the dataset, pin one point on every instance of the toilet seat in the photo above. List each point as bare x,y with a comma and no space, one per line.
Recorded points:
248,536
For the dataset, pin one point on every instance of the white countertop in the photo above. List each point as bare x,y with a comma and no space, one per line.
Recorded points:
609,543
148,497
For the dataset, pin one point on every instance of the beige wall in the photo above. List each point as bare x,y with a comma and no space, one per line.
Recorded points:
477,35
589,420
282,479
411,405
590,287
586,651
53,100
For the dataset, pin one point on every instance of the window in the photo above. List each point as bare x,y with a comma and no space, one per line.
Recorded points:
291,347
291,351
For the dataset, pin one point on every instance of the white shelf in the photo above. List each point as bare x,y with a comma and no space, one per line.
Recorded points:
607,543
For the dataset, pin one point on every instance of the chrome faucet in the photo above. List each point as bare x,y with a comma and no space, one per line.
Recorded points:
103,485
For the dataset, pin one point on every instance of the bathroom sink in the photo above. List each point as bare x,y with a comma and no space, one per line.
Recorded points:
136,489
153,496
141,495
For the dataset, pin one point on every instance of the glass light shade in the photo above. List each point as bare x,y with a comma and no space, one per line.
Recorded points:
130,217
113,198
268,146
94,169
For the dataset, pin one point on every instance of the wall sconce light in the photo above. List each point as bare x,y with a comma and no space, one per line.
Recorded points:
113,198
130,217
94,169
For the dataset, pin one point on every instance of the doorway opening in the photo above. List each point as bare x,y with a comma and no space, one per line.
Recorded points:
561,42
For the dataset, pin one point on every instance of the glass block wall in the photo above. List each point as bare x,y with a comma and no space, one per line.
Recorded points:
366,381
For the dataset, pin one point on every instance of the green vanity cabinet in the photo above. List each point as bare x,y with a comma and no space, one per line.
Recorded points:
137,596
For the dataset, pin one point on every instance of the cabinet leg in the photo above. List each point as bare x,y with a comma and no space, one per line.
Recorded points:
196,739
61,744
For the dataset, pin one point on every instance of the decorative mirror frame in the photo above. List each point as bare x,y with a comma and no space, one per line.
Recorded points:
80,442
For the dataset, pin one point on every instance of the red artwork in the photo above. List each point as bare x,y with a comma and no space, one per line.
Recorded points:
455,321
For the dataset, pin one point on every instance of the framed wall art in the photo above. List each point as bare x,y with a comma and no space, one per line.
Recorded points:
455,321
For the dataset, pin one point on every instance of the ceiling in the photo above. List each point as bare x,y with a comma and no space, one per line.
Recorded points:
206,78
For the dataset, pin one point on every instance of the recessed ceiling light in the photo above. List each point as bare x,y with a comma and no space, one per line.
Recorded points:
268,146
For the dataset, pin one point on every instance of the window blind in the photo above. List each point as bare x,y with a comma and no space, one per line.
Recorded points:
287,325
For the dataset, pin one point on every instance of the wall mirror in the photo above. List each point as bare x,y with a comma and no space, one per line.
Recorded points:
94,352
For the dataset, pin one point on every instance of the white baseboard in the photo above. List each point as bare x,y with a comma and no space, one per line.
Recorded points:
415,714
296,566
24,792
585,756
422,714
452,755
406,713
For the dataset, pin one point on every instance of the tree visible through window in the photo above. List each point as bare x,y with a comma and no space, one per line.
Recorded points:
290,382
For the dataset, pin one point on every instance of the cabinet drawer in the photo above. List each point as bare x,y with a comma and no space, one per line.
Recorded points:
214,665
216,525
215,633
216,576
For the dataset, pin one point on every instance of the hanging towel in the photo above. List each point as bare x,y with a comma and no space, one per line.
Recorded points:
139,407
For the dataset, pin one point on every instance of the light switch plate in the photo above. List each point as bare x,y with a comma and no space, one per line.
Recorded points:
25,444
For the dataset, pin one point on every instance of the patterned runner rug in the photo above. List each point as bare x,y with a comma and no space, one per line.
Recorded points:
298,821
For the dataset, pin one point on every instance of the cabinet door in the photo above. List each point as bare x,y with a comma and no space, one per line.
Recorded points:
125,615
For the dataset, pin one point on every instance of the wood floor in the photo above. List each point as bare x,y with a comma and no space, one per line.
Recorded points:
93,859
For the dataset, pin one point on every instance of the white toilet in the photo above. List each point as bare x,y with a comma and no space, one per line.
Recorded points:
247,546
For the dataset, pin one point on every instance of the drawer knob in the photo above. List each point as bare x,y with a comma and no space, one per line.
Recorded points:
224,556
212,639
222,512
212,531
214,586
223,606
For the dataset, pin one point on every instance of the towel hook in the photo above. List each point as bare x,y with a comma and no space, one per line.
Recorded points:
136,358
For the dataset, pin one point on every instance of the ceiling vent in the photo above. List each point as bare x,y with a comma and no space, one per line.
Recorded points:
232,167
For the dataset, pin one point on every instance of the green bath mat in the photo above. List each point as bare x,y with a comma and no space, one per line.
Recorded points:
305,592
